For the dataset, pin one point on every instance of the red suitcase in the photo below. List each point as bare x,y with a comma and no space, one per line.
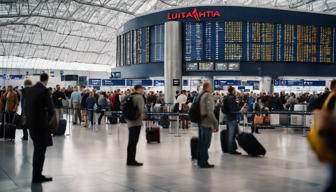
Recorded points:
152,133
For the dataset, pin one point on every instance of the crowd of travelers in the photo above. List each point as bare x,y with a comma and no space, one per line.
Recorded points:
84,101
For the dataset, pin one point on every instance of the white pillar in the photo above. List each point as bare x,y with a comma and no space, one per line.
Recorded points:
172,59
266,84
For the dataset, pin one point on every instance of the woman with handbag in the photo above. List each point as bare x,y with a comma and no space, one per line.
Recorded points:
257,117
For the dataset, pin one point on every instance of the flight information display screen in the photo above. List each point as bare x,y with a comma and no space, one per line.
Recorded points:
232,41
255,41
157,43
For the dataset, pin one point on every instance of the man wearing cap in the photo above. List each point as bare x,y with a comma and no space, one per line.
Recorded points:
134,126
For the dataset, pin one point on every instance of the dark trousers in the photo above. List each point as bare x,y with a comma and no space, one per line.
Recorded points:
133,138
38,159
332,183
24,127
204,142
25,131
100,117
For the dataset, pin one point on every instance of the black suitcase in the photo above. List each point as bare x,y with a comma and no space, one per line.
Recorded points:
153,134
10,131
164,121
61,128
194,148
113,119
224,142
250,144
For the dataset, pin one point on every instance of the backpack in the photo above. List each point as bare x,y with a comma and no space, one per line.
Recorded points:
129,111
195,110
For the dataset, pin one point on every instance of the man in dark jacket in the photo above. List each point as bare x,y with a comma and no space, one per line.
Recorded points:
27,84
58,96
231,110
39,109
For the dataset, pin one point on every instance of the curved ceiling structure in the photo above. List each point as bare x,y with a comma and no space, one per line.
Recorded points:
35,33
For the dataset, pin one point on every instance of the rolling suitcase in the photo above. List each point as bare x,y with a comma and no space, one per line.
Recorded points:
152,133
224,141
194,148
164,121
61,128
9,128
250,144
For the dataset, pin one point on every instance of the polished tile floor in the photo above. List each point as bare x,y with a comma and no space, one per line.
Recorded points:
95,161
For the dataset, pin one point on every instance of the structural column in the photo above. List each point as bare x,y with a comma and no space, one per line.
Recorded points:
266,84
172,59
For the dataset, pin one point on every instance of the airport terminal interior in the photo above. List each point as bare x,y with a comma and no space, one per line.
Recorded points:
168,95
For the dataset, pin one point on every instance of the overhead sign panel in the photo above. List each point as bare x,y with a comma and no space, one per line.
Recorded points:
94,82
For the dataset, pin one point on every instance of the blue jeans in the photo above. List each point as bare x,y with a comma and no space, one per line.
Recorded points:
91,116
232,127
204,142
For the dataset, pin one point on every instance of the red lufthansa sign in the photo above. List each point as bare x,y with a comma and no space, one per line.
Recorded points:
195,14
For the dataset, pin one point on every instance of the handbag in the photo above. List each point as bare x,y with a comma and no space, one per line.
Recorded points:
267,120
323,122
259,119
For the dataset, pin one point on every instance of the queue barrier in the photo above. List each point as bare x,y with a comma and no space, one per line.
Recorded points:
174,118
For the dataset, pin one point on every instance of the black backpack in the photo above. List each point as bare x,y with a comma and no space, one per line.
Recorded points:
195,110
129,111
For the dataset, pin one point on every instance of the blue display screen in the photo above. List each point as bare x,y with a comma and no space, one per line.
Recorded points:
299,83
185,82
113,82
94,82
143,82
159,82
15,77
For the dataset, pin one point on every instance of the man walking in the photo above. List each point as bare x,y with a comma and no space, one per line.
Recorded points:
39,110
134,126
208,124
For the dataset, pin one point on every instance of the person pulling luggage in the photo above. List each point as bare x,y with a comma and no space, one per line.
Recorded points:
231,109
208,124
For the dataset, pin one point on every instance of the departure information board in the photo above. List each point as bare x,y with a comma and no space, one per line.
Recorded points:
253,41
157,43
232,41
261,44
193,34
